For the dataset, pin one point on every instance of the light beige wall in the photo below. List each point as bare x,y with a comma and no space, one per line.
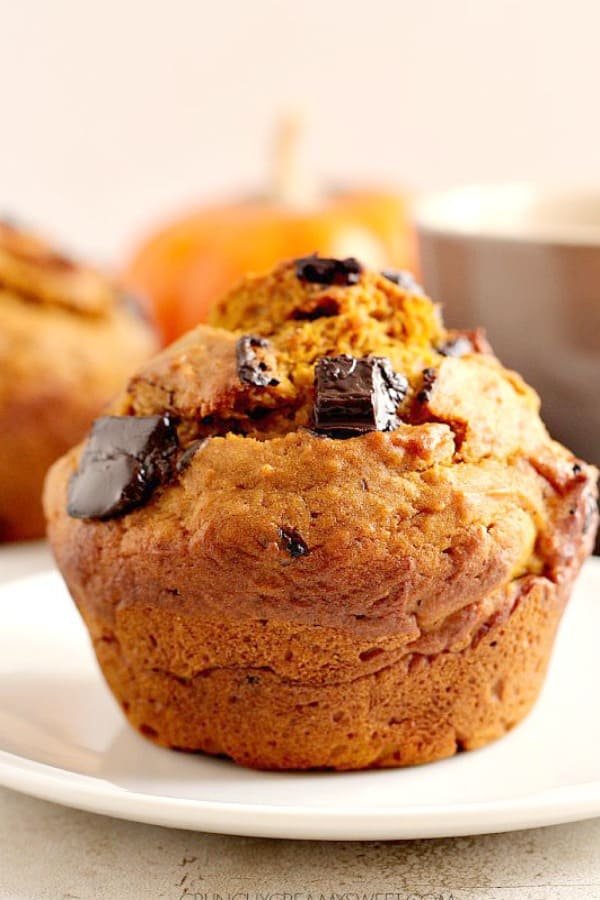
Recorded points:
113,111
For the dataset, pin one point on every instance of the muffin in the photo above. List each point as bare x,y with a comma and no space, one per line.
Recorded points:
68,339
324,531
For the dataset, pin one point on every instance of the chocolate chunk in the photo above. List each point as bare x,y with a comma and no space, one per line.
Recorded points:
325,309
322,270
258,412
354,396
404,279
429,379
458,346
292,541
107,487
251,365
125,459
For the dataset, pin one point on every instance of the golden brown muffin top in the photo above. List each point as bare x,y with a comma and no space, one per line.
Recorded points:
33,271
252,371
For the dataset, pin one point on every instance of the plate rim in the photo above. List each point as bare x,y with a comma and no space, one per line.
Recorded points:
90,793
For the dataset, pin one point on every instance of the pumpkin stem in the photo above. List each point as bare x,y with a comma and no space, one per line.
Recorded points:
290,183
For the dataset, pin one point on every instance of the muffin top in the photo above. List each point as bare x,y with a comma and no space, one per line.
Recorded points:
60,319
326,448
34,272
280,344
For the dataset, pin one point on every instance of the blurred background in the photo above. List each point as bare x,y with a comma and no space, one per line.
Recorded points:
117,113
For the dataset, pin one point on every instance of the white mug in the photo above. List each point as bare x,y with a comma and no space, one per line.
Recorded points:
524,262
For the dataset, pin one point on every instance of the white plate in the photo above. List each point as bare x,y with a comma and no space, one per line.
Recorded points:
63,738
19,559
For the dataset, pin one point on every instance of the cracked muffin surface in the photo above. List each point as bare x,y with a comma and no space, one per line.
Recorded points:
68,338
324,531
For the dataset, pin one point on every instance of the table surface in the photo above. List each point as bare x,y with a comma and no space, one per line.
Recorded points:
48,852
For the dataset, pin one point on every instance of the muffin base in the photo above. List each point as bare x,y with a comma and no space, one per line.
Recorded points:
418,709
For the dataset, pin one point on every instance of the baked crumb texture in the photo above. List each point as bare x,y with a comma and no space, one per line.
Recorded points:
299,598
68,339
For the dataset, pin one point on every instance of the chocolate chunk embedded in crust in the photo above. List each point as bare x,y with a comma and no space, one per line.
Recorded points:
429,380
321,270
354,396
124,460
325,308
293,542
252,367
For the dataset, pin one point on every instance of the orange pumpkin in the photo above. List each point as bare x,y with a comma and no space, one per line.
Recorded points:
188,264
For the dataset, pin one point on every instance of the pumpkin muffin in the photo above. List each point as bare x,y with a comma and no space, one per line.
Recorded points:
323,532
68,339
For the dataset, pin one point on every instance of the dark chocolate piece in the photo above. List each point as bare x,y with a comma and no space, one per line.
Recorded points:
354,396
322,270
429,379
458,346
125,459
293,542
404,279
259,412
325,309
252,369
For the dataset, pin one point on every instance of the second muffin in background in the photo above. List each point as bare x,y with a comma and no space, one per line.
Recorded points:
68,339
